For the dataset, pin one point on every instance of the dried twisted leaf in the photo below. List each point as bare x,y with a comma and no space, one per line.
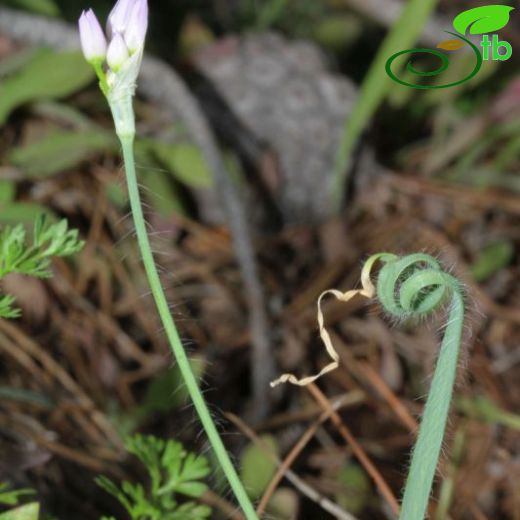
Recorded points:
367,290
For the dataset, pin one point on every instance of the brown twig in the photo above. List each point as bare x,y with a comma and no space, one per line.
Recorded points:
296,450
307,490
311,411
216,501
358,451
365,373
18,340
76,456
389,396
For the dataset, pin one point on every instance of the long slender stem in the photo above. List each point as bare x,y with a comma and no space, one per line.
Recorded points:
173,336
416,285
431,432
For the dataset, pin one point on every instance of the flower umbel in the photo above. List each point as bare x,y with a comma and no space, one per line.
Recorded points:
117,64
126,28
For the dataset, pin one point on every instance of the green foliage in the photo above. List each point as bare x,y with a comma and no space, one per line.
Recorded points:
377,84
492,259
47,75
354,488
337,31
60,150
16,256
484,19
11,497
258,466
16,213
161,193
294,17
172,470
26,512
270,12
184,160
167,391
416,285
49,240
6,307
482,408
283,505
44,7
7,191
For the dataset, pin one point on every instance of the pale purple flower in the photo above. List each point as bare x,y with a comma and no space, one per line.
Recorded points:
130,19
121,57
119,16
117,52
93,41
135,31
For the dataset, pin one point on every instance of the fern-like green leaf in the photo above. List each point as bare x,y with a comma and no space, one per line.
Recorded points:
171,468
49,240
16,256
190,511
6,308
172,471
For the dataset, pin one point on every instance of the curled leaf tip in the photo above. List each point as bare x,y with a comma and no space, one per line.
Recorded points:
367,290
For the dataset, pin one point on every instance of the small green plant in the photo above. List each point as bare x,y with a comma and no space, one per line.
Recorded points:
416,285
17,256
411,286
11,497
172,471
117,64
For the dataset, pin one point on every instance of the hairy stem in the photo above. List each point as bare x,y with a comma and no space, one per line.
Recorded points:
416,285
201,407
431,432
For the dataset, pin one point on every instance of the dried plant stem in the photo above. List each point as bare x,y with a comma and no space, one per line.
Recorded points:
201,407
326,504
295,451
359,452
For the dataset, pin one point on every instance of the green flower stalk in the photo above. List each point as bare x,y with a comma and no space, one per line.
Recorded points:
117,66
416,285
412,285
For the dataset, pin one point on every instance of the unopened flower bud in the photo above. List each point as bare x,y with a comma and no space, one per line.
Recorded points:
117,53
93,42
118,18
137,25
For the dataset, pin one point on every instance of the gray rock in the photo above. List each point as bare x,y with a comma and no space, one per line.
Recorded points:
283,92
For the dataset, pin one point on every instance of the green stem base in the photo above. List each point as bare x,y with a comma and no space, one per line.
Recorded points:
127,141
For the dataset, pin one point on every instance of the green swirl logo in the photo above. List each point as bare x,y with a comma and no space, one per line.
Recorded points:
441,68
480,20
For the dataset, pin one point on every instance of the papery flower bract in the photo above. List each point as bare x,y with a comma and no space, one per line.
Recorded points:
117,52
137,25
93,41
118,17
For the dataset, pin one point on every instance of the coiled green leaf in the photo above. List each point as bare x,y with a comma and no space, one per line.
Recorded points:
412,285
416,285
